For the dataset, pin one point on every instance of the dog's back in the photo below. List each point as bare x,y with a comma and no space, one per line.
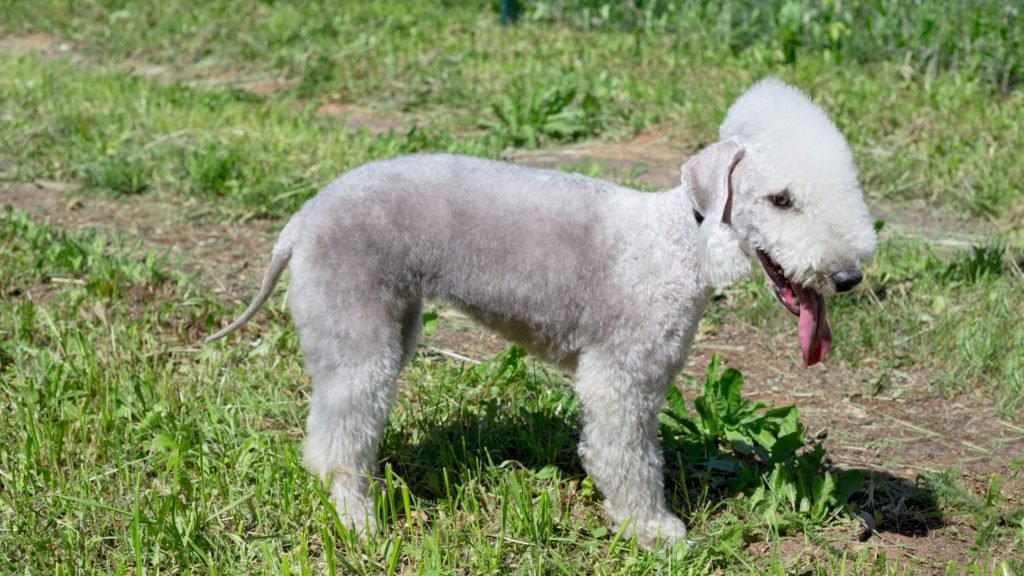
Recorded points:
524,250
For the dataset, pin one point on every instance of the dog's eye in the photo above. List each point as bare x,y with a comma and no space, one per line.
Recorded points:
781,200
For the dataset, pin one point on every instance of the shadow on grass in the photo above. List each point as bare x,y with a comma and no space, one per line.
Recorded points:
899,505
434,461
467,443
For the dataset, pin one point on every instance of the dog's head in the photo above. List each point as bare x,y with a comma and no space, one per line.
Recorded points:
781,185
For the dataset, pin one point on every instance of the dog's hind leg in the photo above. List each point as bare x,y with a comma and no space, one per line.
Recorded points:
620,449
354,352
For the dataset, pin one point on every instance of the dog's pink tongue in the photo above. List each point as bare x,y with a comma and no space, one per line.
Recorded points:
815,335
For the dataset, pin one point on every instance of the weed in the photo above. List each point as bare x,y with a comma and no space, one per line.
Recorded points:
979,263
529,118
118,174
214,170
746,441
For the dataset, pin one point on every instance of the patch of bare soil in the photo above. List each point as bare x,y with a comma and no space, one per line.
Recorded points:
36,43
458,337
653,157
358,117
208,72
928,553
904,429
892,437
228,254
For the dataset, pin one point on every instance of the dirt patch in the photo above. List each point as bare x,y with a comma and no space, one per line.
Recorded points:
920,221
905,433
892,438
193,238
652,158
35,43
458,337
927,554
360,117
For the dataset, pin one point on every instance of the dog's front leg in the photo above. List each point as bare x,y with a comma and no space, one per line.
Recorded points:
620,447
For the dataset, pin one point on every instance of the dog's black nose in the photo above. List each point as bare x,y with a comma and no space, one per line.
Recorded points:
845,280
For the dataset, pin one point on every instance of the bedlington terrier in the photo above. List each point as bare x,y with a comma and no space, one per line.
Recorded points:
596,278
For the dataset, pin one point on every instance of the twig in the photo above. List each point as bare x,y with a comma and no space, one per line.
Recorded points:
874,297
1016,268
160,140
906,549
450,354
914,335
700,346
981,449
113,469
1011,426
515,541
913,427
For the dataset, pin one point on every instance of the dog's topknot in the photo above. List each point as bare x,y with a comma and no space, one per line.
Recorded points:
791,132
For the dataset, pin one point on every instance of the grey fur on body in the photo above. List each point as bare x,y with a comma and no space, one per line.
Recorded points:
596,278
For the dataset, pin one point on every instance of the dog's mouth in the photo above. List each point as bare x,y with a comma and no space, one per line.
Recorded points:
813,331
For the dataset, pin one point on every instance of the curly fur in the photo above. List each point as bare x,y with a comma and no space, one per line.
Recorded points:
597,278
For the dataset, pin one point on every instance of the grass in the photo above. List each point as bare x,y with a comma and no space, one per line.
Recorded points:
124,451
122,135
126,448
981,38
913,139
167,469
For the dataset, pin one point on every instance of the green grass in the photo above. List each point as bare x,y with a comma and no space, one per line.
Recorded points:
452,70
126,448
984,38
125,451
121,135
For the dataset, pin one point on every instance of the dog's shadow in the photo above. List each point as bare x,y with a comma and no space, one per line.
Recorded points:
886,503
897,505
436,461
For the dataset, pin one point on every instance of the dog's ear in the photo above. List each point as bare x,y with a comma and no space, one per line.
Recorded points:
708,177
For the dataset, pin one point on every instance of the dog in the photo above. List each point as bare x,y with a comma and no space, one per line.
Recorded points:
596,278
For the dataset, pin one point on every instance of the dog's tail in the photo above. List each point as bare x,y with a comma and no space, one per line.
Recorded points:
278,262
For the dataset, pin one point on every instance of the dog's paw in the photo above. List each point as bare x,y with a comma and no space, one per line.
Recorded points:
355,511
661,531
362,524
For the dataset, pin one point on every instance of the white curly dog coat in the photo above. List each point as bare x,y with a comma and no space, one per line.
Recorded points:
596,278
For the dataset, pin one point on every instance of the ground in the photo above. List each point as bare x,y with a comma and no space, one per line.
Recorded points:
880,412
896,436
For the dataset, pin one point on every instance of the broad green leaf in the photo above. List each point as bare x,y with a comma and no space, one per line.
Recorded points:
732,384
846,485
